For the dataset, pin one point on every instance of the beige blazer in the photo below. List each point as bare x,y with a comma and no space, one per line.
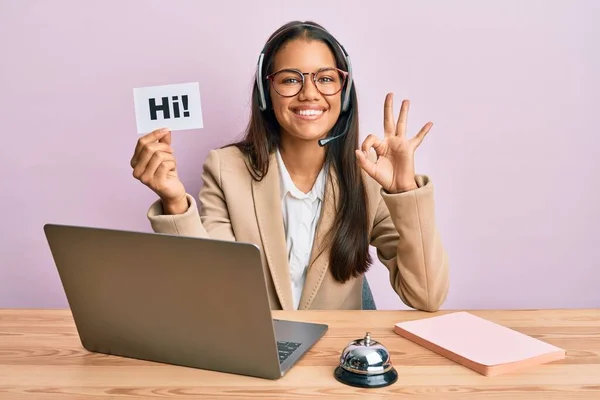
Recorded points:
236,207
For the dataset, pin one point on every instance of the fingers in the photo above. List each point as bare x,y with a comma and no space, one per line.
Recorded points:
154,136
388,115
422,133
141,164
150,174
164,168
166,138
370,141
402,118
367,165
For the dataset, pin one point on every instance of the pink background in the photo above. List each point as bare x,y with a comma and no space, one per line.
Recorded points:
513,88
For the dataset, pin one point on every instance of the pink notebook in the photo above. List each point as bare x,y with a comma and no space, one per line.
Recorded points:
479,344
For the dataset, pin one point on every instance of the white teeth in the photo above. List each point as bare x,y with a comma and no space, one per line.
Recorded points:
309,112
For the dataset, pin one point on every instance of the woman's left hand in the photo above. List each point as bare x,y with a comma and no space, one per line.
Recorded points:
394,169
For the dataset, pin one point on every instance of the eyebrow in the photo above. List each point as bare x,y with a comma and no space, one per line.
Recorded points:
299,69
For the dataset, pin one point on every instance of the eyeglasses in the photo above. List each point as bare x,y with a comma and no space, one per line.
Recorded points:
289,82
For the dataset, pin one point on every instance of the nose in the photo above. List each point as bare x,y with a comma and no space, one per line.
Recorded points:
309,90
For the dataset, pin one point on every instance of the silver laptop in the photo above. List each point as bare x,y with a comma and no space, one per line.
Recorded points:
185,301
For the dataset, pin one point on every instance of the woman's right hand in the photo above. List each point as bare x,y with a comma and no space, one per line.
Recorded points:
154,165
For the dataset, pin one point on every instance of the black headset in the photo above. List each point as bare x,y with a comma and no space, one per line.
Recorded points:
262,102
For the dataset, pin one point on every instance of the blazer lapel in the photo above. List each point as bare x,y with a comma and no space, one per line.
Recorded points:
267,206
319,259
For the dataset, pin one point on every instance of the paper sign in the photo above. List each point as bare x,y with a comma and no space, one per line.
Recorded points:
176,107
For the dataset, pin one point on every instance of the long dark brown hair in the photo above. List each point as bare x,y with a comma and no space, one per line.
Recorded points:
348,237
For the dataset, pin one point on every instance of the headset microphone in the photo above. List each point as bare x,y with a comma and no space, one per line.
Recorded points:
323,142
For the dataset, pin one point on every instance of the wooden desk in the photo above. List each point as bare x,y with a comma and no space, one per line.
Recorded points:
41,358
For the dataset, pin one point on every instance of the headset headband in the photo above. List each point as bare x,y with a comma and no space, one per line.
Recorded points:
262,103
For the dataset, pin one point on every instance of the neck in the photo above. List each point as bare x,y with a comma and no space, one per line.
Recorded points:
303,160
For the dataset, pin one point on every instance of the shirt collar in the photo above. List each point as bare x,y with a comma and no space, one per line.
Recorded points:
287,184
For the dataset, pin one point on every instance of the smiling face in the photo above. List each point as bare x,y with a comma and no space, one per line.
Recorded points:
308,115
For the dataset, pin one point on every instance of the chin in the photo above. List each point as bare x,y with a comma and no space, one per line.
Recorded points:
308,134
309,131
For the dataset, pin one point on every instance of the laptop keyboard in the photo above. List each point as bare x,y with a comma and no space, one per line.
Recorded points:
286,349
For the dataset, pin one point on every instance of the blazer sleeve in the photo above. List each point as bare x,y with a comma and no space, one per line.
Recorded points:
212,220
409,245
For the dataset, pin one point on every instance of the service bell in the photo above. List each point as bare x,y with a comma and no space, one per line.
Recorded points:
366,363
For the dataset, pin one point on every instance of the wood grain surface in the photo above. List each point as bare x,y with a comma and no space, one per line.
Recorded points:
41,358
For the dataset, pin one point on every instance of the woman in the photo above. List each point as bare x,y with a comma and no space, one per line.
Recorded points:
299,188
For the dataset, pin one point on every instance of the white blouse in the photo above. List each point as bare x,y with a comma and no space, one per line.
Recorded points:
301,213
